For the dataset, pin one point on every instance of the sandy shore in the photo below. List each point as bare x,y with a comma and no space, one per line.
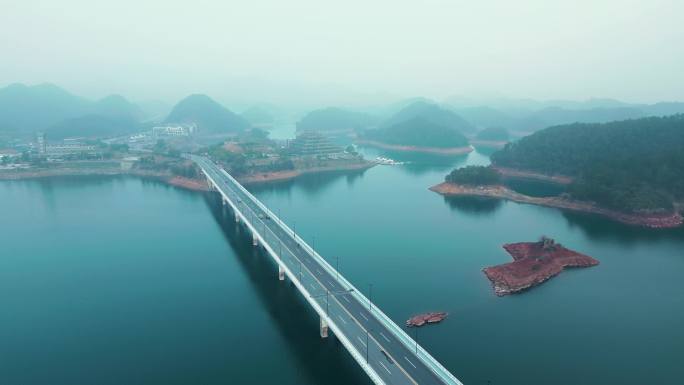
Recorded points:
502,192
426,150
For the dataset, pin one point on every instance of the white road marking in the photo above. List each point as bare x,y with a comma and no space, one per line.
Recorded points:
364,317
360,340
383,365
312,285
383,336
331,283
409,361
341,319
346,299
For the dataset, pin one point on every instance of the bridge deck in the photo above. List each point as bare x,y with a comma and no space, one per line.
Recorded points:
382,349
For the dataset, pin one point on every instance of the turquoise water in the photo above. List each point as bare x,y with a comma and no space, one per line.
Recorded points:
118,280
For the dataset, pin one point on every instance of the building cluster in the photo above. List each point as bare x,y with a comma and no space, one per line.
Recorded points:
174,130
311,143
62,148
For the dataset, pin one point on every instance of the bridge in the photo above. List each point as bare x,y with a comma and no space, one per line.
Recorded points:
382,348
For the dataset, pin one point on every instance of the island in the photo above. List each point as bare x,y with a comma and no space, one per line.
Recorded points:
426,318
533,263
630,171
422,127
418,135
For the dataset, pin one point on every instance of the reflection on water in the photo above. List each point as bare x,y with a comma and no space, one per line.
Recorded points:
603,229
420,164
296,321
473,205
312,184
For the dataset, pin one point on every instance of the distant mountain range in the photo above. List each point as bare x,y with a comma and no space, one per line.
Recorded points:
525,115
25,110
46,107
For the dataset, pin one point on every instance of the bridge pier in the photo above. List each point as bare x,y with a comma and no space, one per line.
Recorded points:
281,273
237,217
324,328
255,240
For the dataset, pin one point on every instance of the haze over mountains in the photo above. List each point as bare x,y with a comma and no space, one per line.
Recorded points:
25,110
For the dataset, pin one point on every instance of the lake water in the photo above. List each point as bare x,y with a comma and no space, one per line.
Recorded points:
124,281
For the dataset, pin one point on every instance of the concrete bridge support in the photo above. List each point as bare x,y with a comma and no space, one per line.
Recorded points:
281,273
255,240
237,217
324,328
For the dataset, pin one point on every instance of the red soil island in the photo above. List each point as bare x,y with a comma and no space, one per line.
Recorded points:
422,319
534,263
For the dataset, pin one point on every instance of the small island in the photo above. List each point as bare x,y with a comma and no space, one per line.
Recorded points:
421,127
534,263
426,318
418,135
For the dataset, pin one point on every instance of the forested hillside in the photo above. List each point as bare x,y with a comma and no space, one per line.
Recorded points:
630,165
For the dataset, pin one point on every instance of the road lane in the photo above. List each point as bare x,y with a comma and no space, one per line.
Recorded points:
363,322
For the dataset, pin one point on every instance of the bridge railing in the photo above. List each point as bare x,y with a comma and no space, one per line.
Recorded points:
409,342
290,263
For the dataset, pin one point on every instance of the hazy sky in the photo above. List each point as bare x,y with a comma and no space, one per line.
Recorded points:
344,51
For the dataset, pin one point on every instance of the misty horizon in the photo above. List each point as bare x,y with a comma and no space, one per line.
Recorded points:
308,54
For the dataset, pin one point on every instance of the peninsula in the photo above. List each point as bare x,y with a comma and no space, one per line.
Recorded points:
629,171
534,263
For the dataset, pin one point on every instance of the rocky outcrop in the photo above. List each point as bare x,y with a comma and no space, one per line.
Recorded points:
534,263
426,318
652,220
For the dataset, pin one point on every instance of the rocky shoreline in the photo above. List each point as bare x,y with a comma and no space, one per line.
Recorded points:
173,180
667,220
533,263
425,150
176,181
278,176
522,174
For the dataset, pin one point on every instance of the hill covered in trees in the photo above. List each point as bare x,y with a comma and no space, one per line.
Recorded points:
209,116
418,132
474,175
335,119
432,113
29,109
631,165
